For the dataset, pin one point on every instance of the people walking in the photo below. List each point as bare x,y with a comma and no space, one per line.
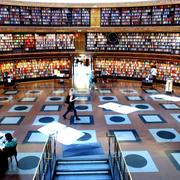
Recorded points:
70,100
93,81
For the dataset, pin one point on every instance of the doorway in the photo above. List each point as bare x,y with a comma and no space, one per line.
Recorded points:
81,70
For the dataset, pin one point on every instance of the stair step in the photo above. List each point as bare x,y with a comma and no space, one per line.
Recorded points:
84,158
82,167
81,172
80,161
84,177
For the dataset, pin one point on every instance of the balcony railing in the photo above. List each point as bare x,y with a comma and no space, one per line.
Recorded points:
119,169
46,165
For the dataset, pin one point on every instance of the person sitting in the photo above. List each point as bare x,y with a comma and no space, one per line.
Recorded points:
10,146
104,75
10,141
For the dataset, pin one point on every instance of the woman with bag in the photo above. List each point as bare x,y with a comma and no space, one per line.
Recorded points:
70,100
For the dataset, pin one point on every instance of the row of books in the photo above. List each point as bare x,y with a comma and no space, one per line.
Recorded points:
140,68
135,16
35,68
33,42
142,42
23,15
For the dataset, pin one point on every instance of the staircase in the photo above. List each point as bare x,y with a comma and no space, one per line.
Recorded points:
90,167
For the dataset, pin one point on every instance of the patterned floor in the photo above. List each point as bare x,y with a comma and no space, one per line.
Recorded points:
149,138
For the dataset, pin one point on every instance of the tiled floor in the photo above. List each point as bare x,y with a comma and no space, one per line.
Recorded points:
149,138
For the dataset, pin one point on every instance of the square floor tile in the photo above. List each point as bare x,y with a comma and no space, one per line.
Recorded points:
10,92
89,137
82,92
35,137
34,92
134,98
27,163
28,99
105,91
117,119
143,107
84,120
128,91
20,108
174,156
11,120
6,98
45,119
83,98
170,106
51,107
126,135
151,118
165,135
84,107
139,161
156,98
58,91
107,98
151,91
176,116
55,99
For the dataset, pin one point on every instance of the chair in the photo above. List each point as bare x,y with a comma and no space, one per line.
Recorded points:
11,151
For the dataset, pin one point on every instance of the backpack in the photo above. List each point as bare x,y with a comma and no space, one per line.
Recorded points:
67,99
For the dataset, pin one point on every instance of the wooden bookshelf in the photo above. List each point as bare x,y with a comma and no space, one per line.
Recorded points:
141,16
134,42
43,16
35,68
24,42
137,68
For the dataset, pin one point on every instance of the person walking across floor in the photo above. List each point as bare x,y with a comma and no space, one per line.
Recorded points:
153,73
70,100
93,81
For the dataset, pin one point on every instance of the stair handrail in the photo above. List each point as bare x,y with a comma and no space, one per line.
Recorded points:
46,164
119,168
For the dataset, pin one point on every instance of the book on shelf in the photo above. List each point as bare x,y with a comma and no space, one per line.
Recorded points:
157,13
126,16
4,15
136,16
46,16
36,16
25,15
168,15
14,15
177,14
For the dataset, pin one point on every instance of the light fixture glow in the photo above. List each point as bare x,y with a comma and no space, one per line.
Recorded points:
83,1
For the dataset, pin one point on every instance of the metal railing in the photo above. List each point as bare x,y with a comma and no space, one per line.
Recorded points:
46,165
117,162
